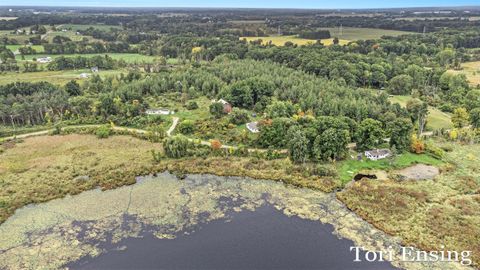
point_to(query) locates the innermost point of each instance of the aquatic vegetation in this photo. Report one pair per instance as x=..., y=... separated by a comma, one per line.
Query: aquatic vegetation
x=83, y=224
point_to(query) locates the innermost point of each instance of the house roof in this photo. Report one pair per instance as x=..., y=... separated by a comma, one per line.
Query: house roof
x=378, y=152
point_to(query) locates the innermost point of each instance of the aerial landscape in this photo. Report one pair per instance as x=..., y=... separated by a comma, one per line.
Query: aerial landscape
x=263, y=135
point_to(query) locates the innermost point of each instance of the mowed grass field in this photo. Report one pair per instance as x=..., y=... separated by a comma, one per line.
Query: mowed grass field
x=471, y=70
x=353, y=33
x=127, y=57
x=345, y=35
x=77, y=27
x=436, y=118
x=8, y=18
x=281, y=40
x=37, y=48
x=55, y=77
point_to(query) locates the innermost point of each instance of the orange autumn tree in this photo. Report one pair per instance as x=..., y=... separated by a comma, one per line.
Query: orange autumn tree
x=417, y=146
x=216, y=144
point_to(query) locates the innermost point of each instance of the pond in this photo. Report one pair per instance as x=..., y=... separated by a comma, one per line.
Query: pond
x=201, y=222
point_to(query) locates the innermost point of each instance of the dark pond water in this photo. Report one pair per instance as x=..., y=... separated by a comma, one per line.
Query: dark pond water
x=262, y=239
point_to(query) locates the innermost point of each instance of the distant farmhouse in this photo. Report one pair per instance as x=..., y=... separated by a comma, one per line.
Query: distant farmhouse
x=84, y=75
x=159, y=112
x=44, y=60
x=377, y=154
x=227, y=107
x=253, y=127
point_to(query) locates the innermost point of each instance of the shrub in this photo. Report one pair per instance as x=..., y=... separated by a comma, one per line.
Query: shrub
x=186, y=127
x=192, y=105
x=239, y=116
x=325, y=170
x=176, y=146
x=216, y=144
x=103, y=132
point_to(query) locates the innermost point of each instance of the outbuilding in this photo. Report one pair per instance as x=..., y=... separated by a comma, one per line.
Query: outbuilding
x=377, y=154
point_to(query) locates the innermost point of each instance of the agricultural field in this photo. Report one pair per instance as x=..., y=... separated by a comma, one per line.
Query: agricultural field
x=346, y=35
x=281, y=40
x=14, y=48
x=8, y=18
x=353, y=33
x=55, y=77
x=127, y=57
x=436, y=118
x=77, y=27
x=471, y=70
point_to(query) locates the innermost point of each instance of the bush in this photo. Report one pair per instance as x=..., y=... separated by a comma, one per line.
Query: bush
x=176, y=146
x=192, y=105
x=325, y=170
x=239, y=117
x=186, y=127
x=103, y=132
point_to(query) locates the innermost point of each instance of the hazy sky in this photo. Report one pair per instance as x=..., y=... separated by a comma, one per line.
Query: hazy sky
x=246, y=3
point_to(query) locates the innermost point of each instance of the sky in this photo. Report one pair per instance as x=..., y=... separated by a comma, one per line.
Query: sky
x=315, y=4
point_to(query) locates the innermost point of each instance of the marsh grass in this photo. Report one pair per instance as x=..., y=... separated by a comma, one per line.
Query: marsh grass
x=48, y=167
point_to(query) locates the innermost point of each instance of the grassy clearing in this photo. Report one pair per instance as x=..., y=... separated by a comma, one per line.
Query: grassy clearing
x=436, y=118
x=55, y=77
x=349, y=168
x=471, y=70
x=280, y=40
x=427, y=213
x=353, y=33
x=14, y=48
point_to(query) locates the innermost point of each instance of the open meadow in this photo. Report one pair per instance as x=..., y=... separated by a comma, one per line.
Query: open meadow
x=55, y=77
x=281, y=40
x=436, y=118
x=471, y=70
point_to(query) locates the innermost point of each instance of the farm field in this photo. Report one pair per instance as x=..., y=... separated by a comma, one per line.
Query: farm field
x=8, y=18
x=55, y=77
x=471, y=70
x=347, y=34
x=280, y=40
x=353, y=33
x=37, y=48
x=127, y=57
x=77, y=27
x=436, y=118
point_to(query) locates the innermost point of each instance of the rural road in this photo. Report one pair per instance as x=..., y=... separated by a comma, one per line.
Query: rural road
x=173, y=126
x=142, y=131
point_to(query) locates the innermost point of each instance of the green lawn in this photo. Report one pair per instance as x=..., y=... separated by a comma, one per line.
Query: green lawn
x=436, y=118
x=348, y=168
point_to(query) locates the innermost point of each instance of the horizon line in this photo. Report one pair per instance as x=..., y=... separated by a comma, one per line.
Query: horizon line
x=227, y=7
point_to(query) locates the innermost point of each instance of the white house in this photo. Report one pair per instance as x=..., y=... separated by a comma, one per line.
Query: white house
x=47, y=59
x=253, y=127
x=159, y=112
x=377, y=154
x=84, y=75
